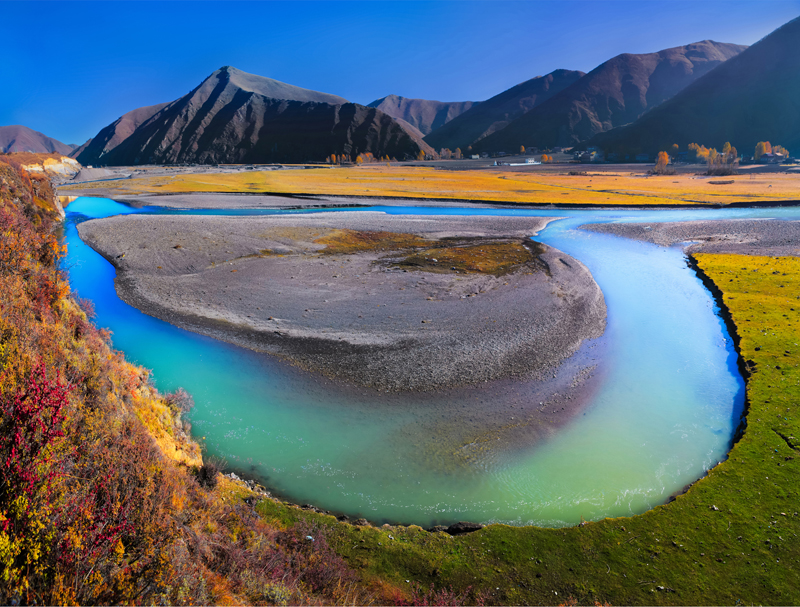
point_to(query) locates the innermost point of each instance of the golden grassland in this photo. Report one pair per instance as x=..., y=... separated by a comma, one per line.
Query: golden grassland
x=479, y=185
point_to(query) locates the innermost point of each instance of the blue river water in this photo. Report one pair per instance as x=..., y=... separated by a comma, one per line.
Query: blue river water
x=665, y=411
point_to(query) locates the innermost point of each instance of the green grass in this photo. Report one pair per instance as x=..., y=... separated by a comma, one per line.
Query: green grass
x=731, y=538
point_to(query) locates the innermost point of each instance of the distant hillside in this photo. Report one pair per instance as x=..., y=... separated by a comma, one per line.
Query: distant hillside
x=496, y=113
x=753, y=97
x=235, y=117
x=18, y=138
x=423, y=114
x=613, y=94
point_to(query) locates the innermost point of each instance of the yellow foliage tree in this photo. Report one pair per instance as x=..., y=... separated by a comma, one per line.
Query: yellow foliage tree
x=661, y=163
x=762, y=147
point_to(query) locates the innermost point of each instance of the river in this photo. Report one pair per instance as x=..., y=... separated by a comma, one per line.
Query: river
x=665, y=410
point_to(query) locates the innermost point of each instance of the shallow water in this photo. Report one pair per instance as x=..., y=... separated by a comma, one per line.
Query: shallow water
x=665, y=410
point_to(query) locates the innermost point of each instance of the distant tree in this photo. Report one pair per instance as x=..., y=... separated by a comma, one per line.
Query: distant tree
x=522, y=149
x=674, y=151
x=457, y=154
x=359, y=159
x=779, y=149
x=698, y=153
x=661, y=163
x=333, y=158
x=421, y=155
x=762, y=147
x=726, y=149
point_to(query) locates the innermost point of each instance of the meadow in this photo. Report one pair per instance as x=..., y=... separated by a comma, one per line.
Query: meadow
x=491, y=185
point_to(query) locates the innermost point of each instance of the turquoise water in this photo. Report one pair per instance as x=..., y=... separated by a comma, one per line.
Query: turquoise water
x=665, y=411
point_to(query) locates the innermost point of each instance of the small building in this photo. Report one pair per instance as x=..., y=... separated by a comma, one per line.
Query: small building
x=771, y=158
x=475, y=157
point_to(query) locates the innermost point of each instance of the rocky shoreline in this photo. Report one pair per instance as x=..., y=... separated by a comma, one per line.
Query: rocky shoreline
x=737, y=236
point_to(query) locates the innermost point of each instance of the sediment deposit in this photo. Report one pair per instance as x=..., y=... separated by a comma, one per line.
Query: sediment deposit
x=389, y=302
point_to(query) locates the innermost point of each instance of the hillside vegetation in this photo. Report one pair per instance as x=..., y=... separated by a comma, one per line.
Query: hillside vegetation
x=104, y=498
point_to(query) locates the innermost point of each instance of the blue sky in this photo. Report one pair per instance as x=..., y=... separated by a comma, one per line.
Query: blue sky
x=70, y=68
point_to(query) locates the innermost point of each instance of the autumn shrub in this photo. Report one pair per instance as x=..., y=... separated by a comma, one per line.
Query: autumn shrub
x=94, y=505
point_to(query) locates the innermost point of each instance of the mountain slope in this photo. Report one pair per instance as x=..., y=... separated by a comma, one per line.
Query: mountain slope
x=495, y=113
x=117, y=132
x=424, y=114
x=234, y=117
x=750, y=98
x=615, y=93
x=18, y=138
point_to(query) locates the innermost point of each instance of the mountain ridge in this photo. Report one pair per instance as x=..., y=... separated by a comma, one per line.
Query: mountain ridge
x=754, y=96
x=498, y=111
x=616, y=92
x=426, y=115
x=229, y=118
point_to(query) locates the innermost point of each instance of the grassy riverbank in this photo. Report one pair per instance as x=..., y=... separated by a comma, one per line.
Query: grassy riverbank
x=730, y=539
x=477, y=185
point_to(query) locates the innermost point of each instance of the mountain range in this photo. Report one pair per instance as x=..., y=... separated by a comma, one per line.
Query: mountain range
x=423, y=114
x=18, y=138
x=753, y=97
x=499, y=111
x=615, y=93
x=707, y=92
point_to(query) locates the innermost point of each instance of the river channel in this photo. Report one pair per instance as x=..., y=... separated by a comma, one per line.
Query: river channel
x=664, y=411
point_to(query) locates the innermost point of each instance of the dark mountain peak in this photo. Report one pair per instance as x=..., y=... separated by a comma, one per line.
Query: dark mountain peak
x=236, y=117
x=266, y=87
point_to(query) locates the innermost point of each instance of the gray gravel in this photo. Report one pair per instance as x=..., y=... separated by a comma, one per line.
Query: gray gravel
x=355, y=317
x=743, y=236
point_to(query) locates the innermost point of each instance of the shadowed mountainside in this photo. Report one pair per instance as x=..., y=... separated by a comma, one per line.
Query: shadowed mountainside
x=750, y=98
x=235, y=117
x=117, y=132
x=496, y=113
x=613, y=94
x=18, y=138
x=424, y=114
